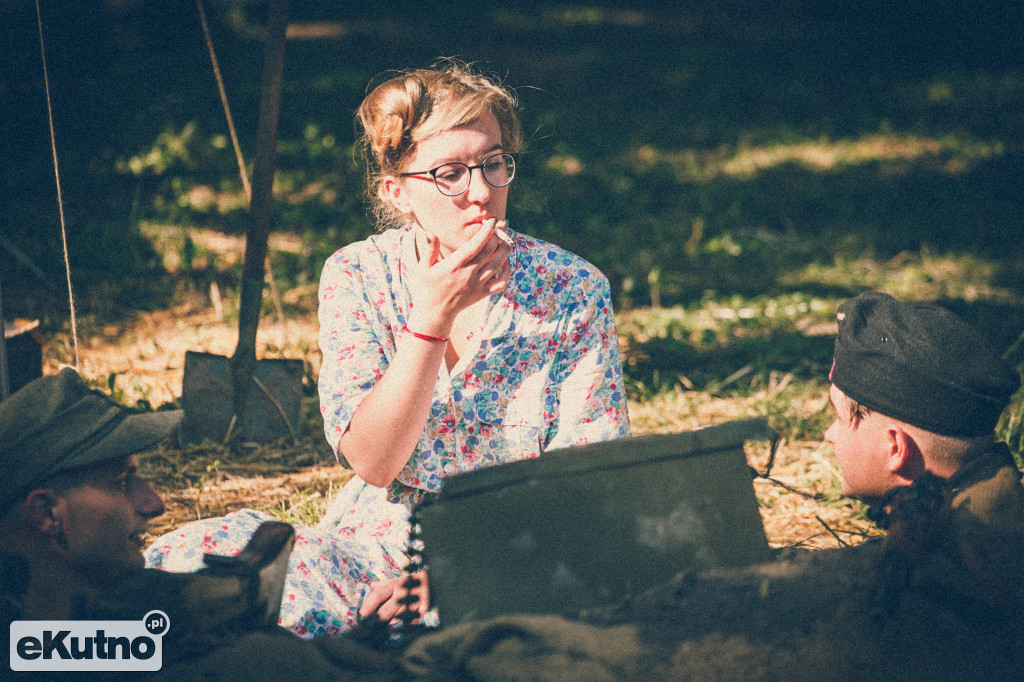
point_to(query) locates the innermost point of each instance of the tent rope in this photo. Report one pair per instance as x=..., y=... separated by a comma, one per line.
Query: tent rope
x=274, y=293
x=60, y=197
x=224, y=101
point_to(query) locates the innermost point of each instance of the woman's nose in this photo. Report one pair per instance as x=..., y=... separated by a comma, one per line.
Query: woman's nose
x=479, y=191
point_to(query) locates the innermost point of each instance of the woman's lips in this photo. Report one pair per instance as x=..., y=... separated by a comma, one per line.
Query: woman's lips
x=499, y=228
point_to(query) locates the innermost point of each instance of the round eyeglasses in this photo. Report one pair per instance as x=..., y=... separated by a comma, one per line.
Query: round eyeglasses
x=452, y=179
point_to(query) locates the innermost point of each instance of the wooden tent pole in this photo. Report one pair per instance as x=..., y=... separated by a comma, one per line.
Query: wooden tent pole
x=243, y=362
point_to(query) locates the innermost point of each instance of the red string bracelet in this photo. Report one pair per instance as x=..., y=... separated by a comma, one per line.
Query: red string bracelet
x=426, y=337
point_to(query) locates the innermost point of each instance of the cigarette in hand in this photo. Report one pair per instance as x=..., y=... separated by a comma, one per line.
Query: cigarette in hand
x=502, y=234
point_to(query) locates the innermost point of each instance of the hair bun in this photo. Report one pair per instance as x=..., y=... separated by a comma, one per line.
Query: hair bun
x=389, y=134
x=393, y=113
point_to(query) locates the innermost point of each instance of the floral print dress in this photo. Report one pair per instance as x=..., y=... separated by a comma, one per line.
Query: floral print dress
x=546, y=374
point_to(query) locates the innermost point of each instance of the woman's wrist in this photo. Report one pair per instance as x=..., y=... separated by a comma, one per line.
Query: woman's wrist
x=426, y=337
x=436, y=326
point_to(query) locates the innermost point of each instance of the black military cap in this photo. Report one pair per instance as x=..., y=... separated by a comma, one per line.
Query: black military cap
x=57, y=423
x=921, y=364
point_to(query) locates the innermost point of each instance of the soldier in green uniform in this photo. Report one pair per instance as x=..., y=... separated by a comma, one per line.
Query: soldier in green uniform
x=917, y=392
x=73, y=503
x=73, y=511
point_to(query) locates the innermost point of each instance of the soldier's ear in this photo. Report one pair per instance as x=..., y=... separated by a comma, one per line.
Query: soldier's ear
x=904, y=455
x=43, y=510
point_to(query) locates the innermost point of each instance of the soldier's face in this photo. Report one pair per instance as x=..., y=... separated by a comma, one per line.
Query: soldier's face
x=859, y=440
x=105, y=516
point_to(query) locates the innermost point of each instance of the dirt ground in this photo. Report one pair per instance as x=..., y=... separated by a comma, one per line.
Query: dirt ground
x=145, y=358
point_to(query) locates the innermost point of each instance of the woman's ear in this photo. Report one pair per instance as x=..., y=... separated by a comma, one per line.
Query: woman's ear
x=392, y=190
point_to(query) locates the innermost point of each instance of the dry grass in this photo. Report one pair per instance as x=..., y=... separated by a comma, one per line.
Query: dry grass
x=147, y=353
x=147, y=356
x=800, y=503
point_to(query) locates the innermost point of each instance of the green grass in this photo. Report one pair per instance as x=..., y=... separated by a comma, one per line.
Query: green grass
x=306, y=508
x=755, y=144
x=735, y=171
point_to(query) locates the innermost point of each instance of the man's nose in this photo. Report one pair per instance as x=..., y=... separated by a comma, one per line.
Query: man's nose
x=148, y=502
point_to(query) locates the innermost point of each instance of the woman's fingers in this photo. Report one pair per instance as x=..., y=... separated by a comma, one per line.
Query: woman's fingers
x=475, y=248
x=384, y=598
x=487, y=243
x=496, y=266
x=435, y=249
x=380, y=593
x=421, y=590
x=483, y=257
x=448, y=285
x=498, y=281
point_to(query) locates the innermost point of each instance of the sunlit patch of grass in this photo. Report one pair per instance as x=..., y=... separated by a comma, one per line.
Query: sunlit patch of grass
x=721, y=345
x=305, y=508
x=909, y=276
x=799, y=410
x=796, y=409
x=897, y=152
x=196, y=248
x=801, y=503
x=715, y=319
x=680, y=410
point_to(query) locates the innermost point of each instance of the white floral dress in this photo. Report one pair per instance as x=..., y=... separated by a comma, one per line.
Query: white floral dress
x=546, y=374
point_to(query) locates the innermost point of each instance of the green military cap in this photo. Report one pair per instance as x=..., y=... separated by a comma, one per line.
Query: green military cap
x=57, y=423
x=921, y=364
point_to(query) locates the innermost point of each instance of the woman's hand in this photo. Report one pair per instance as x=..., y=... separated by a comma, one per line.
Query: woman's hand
x=388, y=423
x=384, y=596
x=446, y=286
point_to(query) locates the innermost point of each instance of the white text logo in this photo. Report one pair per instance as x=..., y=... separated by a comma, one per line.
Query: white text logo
x=82, y=645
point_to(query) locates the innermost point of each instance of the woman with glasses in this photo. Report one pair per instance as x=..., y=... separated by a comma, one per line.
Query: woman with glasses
x=449, y=341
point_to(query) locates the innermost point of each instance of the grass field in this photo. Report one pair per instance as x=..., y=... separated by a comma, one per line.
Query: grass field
x=737, y=171
x=687, y=367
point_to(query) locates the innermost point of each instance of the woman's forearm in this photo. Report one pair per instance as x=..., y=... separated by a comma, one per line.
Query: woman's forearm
x=389, y=421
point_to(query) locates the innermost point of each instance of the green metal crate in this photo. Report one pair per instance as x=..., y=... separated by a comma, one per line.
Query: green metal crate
x=585, y=526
